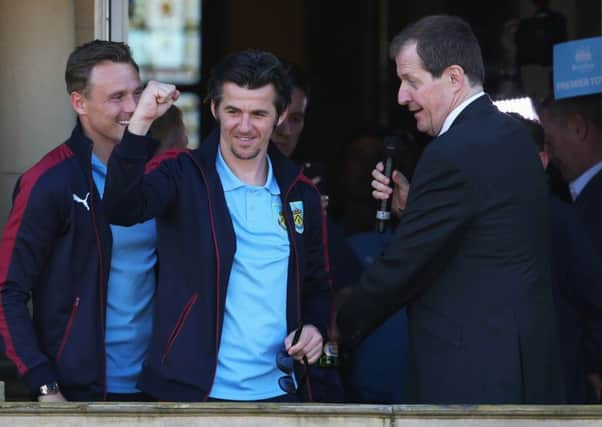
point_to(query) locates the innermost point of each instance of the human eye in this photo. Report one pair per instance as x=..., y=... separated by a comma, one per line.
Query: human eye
x=116, y=97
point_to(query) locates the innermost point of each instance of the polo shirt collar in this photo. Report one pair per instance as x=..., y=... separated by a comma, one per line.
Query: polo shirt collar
x=231, y=182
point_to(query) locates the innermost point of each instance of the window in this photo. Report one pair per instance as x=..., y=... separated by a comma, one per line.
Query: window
x=165, y=38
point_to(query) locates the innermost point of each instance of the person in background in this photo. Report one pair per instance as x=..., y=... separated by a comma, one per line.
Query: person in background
x=170, y=131
x=573, y=138
x=326, y=382
x=577, y=281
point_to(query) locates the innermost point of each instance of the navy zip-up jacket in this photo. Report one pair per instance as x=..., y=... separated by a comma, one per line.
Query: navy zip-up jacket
x=56, y=247
x=196, y=246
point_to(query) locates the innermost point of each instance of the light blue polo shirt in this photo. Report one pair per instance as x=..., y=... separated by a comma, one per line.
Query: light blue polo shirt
x=254, y=326
x=129, y=296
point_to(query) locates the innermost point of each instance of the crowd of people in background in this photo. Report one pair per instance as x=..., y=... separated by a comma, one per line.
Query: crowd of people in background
x=225, y=273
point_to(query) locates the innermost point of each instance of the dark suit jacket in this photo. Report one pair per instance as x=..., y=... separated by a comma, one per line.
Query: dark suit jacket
x=470, y=260
x=577, y=279
x=589, y=209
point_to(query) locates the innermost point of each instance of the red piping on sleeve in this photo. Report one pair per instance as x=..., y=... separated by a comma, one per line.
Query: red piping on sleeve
x=9, y=237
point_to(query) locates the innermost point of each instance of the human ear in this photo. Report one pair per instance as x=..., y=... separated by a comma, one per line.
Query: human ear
x=455, y=73
x=78, y=103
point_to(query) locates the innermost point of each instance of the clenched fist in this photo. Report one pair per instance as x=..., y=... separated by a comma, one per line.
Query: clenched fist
x=154, y=102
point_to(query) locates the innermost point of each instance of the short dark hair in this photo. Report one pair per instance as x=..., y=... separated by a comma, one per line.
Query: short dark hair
x=85, y=57
x=251, y=69
x=164, y=125
x=298, y=78
x=587, y=106
x=441, y=41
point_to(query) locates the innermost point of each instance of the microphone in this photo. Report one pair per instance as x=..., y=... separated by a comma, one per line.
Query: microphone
x=383, y=210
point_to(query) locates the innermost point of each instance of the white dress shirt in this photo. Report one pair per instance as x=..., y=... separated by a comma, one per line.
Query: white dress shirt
x=577, y=185
x=449, y=120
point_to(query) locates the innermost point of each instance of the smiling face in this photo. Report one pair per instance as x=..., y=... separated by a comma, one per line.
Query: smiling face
x=108, y=102
x=247, y=119
x=429, y=98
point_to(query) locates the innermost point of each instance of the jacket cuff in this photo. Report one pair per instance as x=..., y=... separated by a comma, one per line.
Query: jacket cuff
x=38, y=376
x=134, y=146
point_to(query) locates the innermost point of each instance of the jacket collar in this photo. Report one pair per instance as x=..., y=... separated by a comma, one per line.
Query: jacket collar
x=81, y=146
x=480, y=106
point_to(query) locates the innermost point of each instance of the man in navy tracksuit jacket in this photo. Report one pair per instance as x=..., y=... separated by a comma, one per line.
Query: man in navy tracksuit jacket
x=57, y=244
x=199, y=239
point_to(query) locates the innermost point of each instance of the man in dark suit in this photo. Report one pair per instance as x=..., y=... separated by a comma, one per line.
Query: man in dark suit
x=469, y=257
x=573, y=138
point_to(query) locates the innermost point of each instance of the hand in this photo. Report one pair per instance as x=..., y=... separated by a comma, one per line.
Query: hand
x=310, y=344
x=153, y=103
x=382, y=191
x=56, y=397
x=595, y=381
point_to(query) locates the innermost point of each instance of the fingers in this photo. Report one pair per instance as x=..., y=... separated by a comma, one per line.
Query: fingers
x=310, y=344
x=164, y=93
x=380, y=184
x=400, y=195
x=154, y=101
x=400, y=179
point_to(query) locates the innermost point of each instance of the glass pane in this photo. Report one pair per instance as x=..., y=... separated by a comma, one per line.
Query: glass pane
x=189, y=103
x=165, y=37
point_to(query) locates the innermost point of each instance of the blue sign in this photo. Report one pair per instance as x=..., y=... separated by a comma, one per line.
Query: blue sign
x=578, y=68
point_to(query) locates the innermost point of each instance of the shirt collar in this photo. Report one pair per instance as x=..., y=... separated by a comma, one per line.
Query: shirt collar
x=577, y=185
x=98, y=166
x=232, y=182
x=449, y=120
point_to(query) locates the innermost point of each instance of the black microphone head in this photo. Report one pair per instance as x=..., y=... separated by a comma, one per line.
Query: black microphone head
x=392, y=144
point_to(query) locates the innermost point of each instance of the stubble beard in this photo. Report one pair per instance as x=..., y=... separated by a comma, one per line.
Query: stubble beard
x=242, y=156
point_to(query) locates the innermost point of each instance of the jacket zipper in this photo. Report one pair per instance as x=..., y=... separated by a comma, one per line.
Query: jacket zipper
x=178, y=327
x=291, y=228
x=67, y=332
x=217, y=274
x=101, y=299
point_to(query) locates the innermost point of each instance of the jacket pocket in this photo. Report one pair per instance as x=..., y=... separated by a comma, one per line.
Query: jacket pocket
x=179, y=325
x=67, y=332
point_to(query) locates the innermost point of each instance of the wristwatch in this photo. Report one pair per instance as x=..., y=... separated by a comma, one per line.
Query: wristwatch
x=49, y=389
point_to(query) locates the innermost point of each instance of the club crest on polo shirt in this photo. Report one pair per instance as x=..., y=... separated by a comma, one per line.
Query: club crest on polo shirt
x=297, y=209
x=277, y=209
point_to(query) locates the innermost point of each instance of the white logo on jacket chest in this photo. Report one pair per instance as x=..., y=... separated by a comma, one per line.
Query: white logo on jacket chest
x=83, y=201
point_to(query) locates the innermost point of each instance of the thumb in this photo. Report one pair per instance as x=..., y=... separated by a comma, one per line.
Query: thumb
x=400, y=179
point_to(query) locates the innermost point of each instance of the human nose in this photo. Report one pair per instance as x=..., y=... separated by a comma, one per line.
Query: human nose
x=129, y=104
x=285, y=127
x=403, y=97
x=245, y=122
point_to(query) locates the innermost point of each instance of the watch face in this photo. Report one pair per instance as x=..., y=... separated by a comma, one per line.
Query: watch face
x=51, y=388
